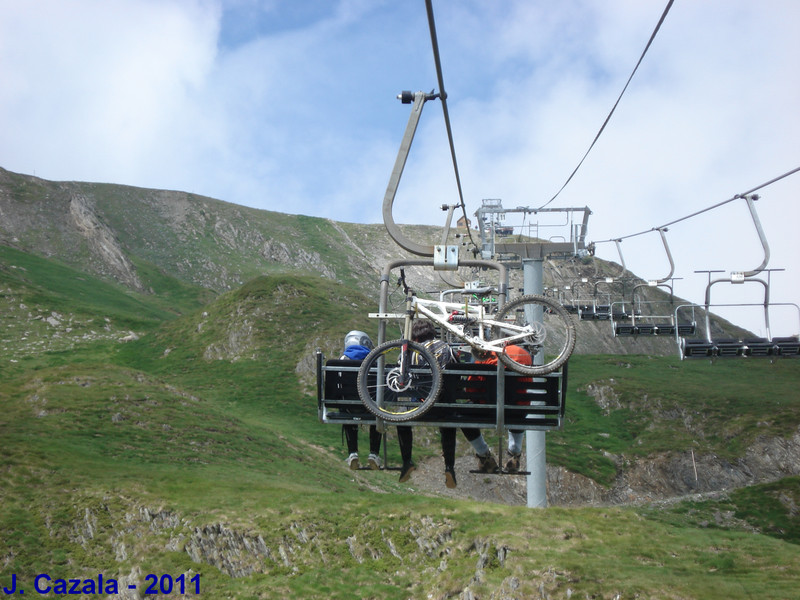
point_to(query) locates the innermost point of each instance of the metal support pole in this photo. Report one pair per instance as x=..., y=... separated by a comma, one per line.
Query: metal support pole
x=533, y=283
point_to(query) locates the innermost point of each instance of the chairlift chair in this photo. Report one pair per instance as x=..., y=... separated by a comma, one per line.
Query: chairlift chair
x=744, y=347
x=747, y=347
x=652, y=324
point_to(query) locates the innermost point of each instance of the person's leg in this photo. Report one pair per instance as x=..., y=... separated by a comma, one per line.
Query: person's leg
x=448, y=435
x=405, y=438
x=515, y=438
x=351, y=438
x=375, y=436
x=486, y=461
x=448, y=446
x=475, y=438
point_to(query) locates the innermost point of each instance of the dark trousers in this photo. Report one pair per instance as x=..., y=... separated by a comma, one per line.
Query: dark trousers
x=448, y=435
x=405, y=437
x=351, y=437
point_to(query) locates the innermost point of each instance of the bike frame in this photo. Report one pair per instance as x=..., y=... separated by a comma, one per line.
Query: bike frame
x=438, y=311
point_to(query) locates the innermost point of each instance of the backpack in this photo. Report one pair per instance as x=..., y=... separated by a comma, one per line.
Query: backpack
x=441, y=350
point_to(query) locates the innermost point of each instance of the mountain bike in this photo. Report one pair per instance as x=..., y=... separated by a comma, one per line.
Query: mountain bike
x=400, y=380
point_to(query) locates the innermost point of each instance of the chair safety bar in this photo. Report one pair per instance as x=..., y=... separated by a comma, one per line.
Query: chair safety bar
x=467, y=398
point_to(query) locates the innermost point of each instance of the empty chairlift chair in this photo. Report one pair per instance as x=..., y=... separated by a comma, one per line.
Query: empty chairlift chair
x=744, y=347
x=648, y=323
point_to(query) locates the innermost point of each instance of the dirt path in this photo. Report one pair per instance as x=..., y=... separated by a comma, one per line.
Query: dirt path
x=503, y=489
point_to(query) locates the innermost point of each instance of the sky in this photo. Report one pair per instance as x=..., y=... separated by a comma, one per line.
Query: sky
x=290, y=106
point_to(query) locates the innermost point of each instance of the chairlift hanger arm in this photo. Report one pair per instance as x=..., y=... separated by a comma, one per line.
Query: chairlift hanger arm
x=657, y=282
x=669, y=257
x=739, y=276
x=621, y=258
x=418, y=99
x=750, y=198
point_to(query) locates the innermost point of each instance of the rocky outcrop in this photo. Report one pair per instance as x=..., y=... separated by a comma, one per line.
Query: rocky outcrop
x=677, y=474
x=103, y=245
x=233, y=552
x=419, y=545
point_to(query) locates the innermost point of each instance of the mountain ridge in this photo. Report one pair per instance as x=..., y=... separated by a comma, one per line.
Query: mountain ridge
x=126, y=234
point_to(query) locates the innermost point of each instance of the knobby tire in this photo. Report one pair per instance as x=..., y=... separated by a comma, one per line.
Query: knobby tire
x=401, y=401
x=559, y=333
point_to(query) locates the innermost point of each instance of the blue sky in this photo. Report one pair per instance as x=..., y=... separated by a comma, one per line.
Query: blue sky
x=289, y=105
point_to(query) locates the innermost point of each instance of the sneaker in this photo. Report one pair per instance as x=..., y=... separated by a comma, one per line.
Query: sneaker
x=374, y=462
x=512, y=466
x=405, y=472
x=352, y=461
x=450, y=478
x=487, y=464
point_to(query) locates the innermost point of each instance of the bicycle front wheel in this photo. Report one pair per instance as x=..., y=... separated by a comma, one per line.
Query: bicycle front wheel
x=399, y=381
x=542, y=328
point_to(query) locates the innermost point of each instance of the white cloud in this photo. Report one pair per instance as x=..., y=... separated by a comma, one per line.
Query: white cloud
x=290, y=107
x=97, y=86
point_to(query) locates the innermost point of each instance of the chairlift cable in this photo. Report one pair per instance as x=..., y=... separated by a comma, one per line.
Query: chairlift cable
x=770, y=182
x=443, y=98
x=613, y=108
x=705, y=210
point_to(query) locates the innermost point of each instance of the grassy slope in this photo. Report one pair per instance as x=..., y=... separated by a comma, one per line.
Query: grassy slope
x=93, y=435
x=210, y=233
x=669, y=405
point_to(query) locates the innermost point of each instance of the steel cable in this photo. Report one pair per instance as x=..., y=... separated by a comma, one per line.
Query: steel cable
x=705, y=210
x=608, y=118
x=443, y=98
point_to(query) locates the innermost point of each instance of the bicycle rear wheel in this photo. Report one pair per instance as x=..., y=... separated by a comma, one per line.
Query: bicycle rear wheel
x=399, y=381
x=551, y=339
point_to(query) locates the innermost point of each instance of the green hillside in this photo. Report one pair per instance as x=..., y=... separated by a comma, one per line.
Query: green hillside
x=195, y=449
x=136, y=235
x=666, y=405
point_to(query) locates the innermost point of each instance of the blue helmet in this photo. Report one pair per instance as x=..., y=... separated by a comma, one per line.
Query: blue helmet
x=357, y=338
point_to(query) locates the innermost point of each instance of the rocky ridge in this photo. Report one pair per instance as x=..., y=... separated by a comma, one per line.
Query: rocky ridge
x=109, y=230
x=418, y=544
